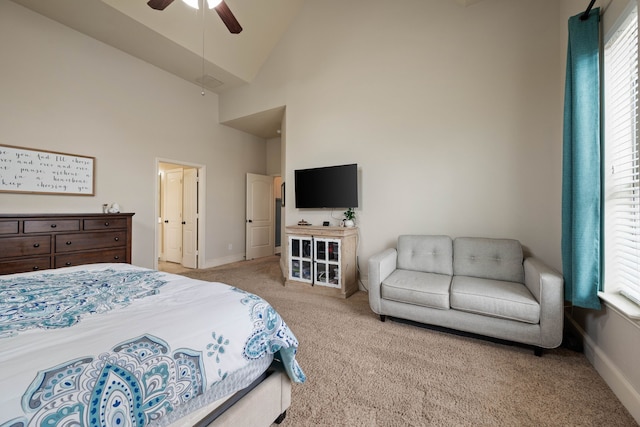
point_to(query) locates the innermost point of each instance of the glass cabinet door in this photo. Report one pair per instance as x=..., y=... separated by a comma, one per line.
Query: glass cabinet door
x=301, y=259
x=327, y=262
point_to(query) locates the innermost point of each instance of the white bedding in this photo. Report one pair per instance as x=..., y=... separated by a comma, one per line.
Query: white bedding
x=143, y=349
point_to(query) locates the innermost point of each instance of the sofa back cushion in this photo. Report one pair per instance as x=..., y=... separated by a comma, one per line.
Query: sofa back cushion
x=497, y=259
x=430, y=254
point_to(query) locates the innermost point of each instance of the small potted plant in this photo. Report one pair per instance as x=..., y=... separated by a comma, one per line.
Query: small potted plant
x=349, y=217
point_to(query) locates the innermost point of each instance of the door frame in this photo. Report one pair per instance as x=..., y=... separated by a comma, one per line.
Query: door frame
x=201, y=207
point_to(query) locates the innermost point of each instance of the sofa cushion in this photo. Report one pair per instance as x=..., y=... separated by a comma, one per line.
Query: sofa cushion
x=416, y=287
x=430, y=254
x=507, y=300
x=498, y=259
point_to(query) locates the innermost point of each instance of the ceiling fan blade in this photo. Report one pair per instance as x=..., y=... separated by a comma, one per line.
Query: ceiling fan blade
x=227, y=17
x=159, y=4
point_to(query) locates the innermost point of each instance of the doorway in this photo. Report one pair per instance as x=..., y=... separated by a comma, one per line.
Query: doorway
x=260, y=216
x=264, y=216
x=179, y=201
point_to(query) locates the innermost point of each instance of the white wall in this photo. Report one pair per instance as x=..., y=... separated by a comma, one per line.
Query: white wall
x=453, y=114
x=274, y=154
x=63, y=91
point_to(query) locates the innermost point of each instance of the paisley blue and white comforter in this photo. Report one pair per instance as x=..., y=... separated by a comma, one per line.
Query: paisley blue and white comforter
x=117, y=345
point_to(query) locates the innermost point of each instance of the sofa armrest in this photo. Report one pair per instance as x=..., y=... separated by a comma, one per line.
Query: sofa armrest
x=381, y=266
x=547, y=286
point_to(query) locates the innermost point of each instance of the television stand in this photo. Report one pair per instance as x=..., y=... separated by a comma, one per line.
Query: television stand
x=322, y=259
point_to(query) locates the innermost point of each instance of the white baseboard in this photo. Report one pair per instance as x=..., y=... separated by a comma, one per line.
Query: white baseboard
x=222, y=261
x=611, y=374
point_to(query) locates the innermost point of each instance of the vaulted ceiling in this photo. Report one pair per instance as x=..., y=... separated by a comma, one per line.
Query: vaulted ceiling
x=172, y=39
x=192, y=44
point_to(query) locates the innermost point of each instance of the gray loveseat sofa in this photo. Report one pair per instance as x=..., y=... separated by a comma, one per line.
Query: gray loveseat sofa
x=474, y=285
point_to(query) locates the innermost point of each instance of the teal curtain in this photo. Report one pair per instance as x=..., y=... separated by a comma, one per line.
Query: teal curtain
x=581, y=180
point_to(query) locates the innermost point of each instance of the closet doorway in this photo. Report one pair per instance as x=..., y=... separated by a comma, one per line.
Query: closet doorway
x=178, y=204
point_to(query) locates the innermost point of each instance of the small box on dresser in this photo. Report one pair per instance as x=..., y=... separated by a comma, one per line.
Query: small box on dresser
x=30, y=242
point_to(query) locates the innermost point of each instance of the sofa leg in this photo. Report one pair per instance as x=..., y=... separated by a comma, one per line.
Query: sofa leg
x=383, y=317
x=281, y=417
x=537, y=351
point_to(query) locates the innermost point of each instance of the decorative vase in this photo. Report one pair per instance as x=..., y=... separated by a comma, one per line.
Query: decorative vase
x=349, y=223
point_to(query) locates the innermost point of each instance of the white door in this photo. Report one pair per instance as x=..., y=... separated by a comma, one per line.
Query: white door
x=260, y=216
x=173, y=216
x=190, y=218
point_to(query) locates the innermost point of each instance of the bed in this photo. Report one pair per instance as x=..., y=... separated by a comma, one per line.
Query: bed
x=111, y=344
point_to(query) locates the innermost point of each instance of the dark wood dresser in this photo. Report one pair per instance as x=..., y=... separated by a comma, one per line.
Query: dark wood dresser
x=31, y=242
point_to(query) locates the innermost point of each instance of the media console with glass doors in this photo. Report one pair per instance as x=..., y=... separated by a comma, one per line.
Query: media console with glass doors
x=322, y=259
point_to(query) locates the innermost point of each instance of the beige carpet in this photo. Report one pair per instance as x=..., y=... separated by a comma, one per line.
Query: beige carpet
x=362, y=372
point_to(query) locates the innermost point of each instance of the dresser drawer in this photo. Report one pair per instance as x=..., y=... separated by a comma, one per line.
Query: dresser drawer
x=12, y=247
x=87, y=241
x=50, y=225
x=8, y=227
x=104, y=223
x=110, y=255
x=24, y=265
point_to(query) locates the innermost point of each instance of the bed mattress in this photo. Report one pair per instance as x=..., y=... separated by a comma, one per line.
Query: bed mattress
x=117, y=345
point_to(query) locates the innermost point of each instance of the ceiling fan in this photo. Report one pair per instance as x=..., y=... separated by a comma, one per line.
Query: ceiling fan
x=219, y=5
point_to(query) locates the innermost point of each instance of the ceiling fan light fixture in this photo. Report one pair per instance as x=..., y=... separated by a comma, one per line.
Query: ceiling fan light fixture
x=220, y=6
x=192, y=3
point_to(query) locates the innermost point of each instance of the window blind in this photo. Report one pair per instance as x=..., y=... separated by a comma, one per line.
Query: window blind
x=621, y=159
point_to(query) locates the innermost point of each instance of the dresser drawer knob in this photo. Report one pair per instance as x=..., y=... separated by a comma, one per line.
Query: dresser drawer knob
x=36, y=268
x=68, y=243
x=67, y=263
x=54, y=225
x=116, y=257
x=116, y=239
x=106, y=224
x=36, y=245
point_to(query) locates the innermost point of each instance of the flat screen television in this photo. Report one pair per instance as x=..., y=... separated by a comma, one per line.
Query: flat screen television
x=327, y=187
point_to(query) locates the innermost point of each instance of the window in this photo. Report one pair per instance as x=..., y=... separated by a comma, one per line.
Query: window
x=621, y=158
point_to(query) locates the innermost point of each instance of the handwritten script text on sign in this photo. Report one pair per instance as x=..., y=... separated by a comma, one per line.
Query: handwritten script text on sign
x=24, y=170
